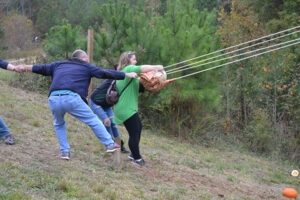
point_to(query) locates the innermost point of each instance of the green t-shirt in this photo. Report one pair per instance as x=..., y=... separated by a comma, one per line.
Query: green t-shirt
x=128, y=101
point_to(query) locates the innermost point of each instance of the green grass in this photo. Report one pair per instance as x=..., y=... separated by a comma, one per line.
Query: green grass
x=7, y=76
x=31, y=169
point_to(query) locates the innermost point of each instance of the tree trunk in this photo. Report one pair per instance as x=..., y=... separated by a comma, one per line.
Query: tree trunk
x=29, y=9
x=22, y=2
x=243, y=100
x=227, y=94
x=275, y=98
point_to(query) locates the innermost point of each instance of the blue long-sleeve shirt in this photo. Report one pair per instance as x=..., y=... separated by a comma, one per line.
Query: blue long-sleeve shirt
x=3, y=64
x=74, y=75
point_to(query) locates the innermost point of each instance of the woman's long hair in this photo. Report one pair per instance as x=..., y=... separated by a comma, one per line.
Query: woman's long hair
x=125, y=59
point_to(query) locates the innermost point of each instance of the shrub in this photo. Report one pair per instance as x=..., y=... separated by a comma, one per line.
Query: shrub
x=18, y=32
x=33, y=82
x=259, y=133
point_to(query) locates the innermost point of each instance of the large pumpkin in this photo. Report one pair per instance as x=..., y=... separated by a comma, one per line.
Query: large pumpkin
x=290, y=193
x=155, y=81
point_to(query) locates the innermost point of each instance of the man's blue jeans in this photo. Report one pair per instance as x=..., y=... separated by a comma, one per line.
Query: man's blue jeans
x=74, y=105
x=4, y=131
x=104, y=113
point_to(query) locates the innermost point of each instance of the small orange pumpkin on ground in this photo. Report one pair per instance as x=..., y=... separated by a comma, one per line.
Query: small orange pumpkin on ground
x=290, y=193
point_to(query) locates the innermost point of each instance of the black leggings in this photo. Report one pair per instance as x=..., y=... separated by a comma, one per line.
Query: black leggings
x=134, y=128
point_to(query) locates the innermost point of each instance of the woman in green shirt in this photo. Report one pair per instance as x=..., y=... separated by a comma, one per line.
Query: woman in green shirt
x=126, y=110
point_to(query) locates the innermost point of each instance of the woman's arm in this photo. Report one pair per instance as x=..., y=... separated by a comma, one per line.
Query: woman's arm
x=148, y=68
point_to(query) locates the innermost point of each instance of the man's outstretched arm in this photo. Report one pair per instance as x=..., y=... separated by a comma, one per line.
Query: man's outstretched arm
x=7, y=66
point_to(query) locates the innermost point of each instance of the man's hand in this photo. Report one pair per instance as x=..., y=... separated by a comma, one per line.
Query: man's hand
x=11, y=67
x=20, y=68
x=23, y=68
x=107, y=122
x=131, y=75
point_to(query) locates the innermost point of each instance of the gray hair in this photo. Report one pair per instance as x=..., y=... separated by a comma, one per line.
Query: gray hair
x=78, y=53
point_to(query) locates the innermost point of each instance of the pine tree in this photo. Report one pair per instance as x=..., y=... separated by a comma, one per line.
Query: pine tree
x=181, y=33
x=109, y=38
x=63, y=40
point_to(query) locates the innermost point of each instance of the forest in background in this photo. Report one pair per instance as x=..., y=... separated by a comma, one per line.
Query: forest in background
x=253, y=103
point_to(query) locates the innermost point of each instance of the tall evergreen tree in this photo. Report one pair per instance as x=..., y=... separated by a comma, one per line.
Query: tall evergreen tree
x=62, y=40
x=109, y=38
x=183, y=32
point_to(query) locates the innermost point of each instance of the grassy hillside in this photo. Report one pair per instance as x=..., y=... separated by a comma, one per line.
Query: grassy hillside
x=31, y=169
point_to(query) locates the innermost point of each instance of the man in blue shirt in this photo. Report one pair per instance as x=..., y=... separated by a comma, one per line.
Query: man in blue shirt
x=4, y=131
x=68, y=93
